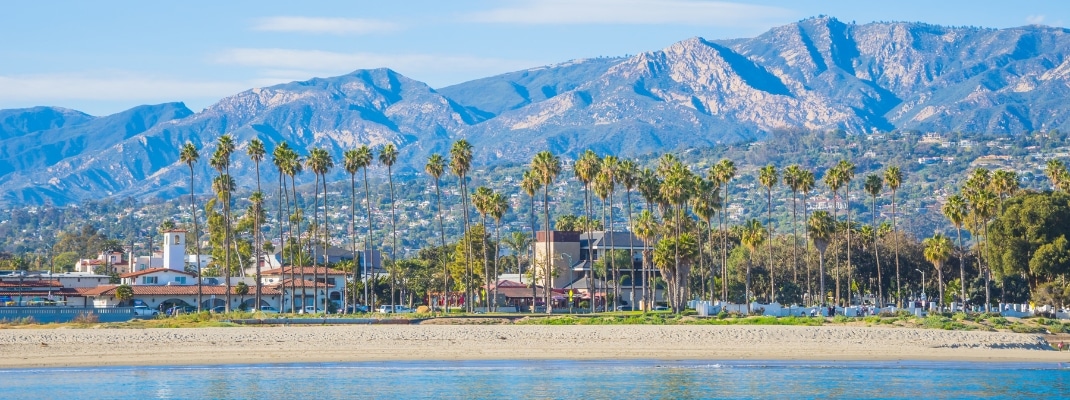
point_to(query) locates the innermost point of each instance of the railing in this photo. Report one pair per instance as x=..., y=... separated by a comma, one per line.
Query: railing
x=66, y=314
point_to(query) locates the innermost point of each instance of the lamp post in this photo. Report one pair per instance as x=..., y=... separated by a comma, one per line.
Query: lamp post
x=922, y=283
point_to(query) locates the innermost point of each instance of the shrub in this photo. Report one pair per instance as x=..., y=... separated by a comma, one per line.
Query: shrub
x=86, y=318
x=689, y=312
x=840, y=319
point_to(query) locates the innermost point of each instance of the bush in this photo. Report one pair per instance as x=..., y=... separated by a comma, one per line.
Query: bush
x=86, y=318
x=840, y=319
x=689, y=312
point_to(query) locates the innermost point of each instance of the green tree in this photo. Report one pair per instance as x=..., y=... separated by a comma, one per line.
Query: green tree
x=124, y=294
x=752, y=235
x=821, y=228
x=955, y=210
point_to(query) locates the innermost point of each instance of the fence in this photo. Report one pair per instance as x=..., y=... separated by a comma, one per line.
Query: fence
x=66, y=314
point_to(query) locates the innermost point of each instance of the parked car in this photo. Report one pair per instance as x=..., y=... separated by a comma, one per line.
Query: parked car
x=387, y=309
x=269, y=310
x=142, y=311
x=360, y=308
x=310, y=310
x=178, y=310
x=625, y=308
x=661, y=308
x=218, y=310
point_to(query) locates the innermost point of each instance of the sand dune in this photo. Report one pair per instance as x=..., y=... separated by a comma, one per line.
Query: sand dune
x=25, y=348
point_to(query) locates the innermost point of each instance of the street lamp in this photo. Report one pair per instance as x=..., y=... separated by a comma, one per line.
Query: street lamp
x=922, y=282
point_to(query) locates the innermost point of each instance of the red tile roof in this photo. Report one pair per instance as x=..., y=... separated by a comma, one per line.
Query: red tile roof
x=297, y=283
x=299, y=270
x=153, y=270
x=29, y=284
x=175, y=290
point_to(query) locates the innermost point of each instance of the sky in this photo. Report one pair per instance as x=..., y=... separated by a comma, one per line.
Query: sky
x=102, y=57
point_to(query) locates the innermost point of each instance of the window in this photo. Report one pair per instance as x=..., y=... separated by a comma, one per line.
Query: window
x=149, y=280
x=330, y=281
x=180, y=279
x=178, y=239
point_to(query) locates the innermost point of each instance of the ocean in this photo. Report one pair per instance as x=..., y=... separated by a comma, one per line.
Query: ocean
x=625, y=379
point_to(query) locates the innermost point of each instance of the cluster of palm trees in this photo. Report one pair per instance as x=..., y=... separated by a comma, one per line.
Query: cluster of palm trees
x=676, y=224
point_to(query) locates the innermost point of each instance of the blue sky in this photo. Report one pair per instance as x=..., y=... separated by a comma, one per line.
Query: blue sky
x=102, y=57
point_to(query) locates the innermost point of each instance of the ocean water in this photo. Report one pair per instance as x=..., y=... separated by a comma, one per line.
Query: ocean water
x=630, y=379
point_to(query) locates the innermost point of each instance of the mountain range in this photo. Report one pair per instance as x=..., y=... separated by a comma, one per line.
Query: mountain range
x=816, y=74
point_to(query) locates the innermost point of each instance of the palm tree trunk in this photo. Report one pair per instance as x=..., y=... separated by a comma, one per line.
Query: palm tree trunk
x=326, y=243
x=256, y=237
x=589, y=275
x=297, y=243
x=442, y=235
x=847, y=211
x=895, y=239
x=821, y=274
x=794, y=237
x=836, y=217
x=196, y=239
x=497, y=245
x=988, y=273
x=724, y=245
x=962, y=266
x=631, y=247
x=394, y=235
x=877, y=256
x=369, y=267
x=486, y=266
x=549, y=256
x=531, y=259
x=352, y=240
x=769, y=245
x=806, y=241
x=468, y=247
x=612, y=262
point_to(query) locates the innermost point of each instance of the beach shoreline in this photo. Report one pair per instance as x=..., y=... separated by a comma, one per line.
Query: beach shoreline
x=68, y=347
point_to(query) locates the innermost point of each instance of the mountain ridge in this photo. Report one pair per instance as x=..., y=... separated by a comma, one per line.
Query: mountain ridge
x=818, y=74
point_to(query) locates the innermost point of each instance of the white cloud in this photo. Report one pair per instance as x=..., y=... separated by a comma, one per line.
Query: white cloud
x=1035, y=19
x=334, y=26
x=111, y=86
x=692, y=12
x=282, y=64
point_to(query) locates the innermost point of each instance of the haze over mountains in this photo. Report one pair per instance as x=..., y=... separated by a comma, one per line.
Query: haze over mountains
x=817, y=74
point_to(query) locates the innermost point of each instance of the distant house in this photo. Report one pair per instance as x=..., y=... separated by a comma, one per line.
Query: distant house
x=158, y=276
x=309, y=281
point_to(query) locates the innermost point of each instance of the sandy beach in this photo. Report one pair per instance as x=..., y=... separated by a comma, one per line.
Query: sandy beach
x=27, y=348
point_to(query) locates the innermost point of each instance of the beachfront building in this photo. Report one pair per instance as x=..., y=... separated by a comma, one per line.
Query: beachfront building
x=163, y=297
x=575, y=253
x=309, y=285
x=158, y=276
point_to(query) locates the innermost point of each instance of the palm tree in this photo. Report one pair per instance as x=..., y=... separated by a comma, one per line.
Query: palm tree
x=320, y=162
x=189, y=156
x=602, y=183
x=388, y=155
x=531, y=183
x=646, y=228
x=847, y=173
x=256, y=153
x=724, y=171
x=586, y=169
x=937, y=251
x=481, y=200
x=460, y=162
x=705, y=204
x=751, y=236
x=676, y=190
x=221, y=162
x=362, y=160
x=893, y=177
x=821, y=226
x=792, y=178
x=628, y=176
x=768, y=177
x=294, y=166
x=873, y=185
x=547, y=166
x=349, y=163
x=610, y=165
x=834, y=181
x=650, y=190
x=806, y=183
x=436, y=166
x=1057, y=173
x=955, y=211
x=498, y=207
x=1004, y=184
x=280, y=156
x=983, y=205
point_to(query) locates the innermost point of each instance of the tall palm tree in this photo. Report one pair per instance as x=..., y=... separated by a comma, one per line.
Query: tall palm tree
x=983, y=205
x=893, y=177
x=751, y=236
x=586, y=169
x=221, y=162
x=547, y=166
x=602, y=184
x=806, y=183
x=189, y=156
x=937, y=251
x=705, y=204
x=436, y=166
x=768, y=177
x=531, y=183
x=460, y=162
x=498, y=207
x=724, y=171
x=955, y=209
x=646, y=227
x=350, y=164
x=280, y=156
x=294, y=166
x=874, y=185
x=676, y=190
x=320, y=162
x=847, y=172
x=610, y=165
x=1004, y=184
x=821, y=227
x=256, y=153
x=650, y=190
x=792, y=178
x=628, y=176
x=834, y=181
x=362, y=160
x=481, y=200
x=388, y=155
